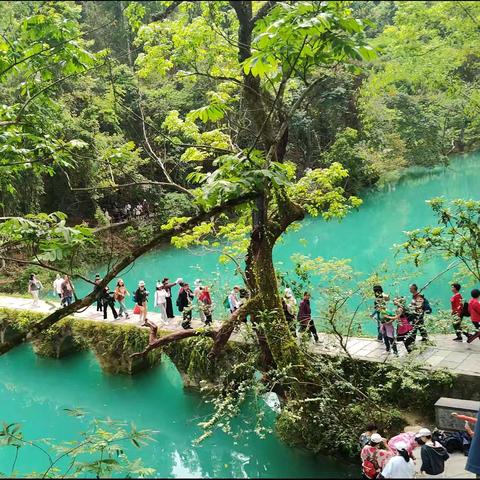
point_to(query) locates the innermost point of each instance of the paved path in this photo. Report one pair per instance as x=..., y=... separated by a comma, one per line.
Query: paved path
x=442, y=351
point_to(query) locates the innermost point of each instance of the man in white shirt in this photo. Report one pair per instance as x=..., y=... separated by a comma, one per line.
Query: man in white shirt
x=57, y=286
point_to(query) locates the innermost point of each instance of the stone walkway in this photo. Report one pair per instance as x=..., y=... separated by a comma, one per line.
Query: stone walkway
x=441, y=351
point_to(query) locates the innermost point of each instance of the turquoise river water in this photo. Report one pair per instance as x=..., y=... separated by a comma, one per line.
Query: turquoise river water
x=35, y=391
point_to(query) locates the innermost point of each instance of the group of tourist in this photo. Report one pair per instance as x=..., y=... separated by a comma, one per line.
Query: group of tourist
x=395, y=458
x=400, y=321
x=62, y=287
x=128, y=211
x=410, y=318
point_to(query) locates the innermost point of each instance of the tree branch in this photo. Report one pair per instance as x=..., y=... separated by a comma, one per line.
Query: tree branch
x=157, y=17
x=162, y=237
x=46, y=267
x=264, y=10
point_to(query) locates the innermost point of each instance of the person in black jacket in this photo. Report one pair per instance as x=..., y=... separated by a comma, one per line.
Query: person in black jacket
x=141, y=299
x=108, y=301
x=184, y=304
x=433, y=454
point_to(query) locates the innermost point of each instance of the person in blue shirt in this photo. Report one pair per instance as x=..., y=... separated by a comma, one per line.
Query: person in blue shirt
x=473, y=462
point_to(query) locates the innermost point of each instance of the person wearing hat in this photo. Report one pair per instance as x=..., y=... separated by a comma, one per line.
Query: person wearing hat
x=401, y=465
x=374, y=458
x=141, y=299
x=433, y=454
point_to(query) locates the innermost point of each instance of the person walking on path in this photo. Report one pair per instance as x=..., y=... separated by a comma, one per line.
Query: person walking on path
x=404, y=327
x=418, y=307
x=141, y=299
x=34, y=287
x=120, y=294
x=474, y=311
x=374, y=458
x=456, y=302
x=305, y=317
x=184, y=304
x=57, y=286
x=380, y=300
x=433, y=454
x=233, y=300
x=168, y=295
x=205, y=304
x=473, y=462
x=67, y=291
x=196, y=293
x=108, y=301
x=161, y=302
x=401, y=465
x=99, y=299
x=387, y=329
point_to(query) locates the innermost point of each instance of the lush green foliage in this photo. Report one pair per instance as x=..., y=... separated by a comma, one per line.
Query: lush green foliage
x=99, y=452
x=455, y=237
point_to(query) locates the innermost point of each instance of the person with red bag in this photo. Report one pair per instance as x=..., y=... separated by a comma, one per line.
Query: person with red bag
x=375, y=458
x=404, y=327
x=141, y=299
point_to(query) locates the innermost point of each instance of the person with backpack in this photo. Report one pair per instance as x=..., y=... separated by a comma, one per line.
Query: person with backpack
x=380, y=300
x=419, y=306
x=374, y=458
x=34, y=287
x=120, y=293
x=404, y=327
x=433, y=454
x=233, y=300
x=456, y=302
x=388, y=332
x=474, y=311
x=141, y=299
x=184, y=304
x=400, y=465
x=205, y=304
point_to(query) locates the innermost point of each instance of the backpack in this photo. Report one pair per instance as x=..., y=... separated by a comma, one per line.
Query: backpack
x=465, y=310
x=369, y=468
x=426, y=306
x=179, y=303
x=226, y=303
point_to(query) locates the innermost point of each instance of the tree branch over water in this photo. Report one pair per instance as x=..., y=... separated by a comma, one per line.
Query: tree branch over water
x=161, y=238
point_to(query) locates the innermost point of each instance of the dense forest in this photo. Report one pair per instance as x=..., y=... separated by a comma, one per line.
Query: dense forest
x=229, y=123
x=88, y=120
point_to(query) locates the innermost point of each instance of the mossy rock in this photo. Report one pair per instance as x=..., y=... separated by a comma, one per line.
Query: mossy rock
x=113, y=344
x=58, y=341
x=190, y=358
x=15, y=323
